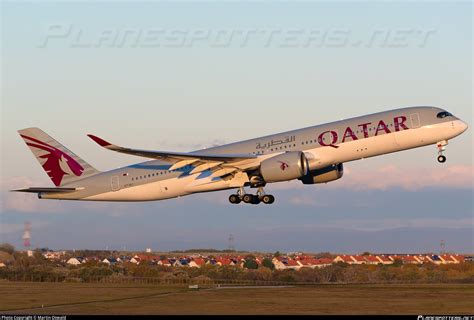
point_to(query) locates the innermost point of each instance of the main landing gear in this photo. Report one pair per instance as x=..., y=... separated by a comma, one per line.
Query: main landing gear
x=250, y=198
x=441, y=148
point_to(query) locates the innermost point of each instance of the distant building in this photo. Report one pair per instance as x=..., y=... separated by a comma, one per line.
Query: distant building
x=344, y=258
x=76, y=261
x=359, y=260
x=224, y=262
x=197, y=263
x=323, y=262
x=384, y=259
x=292, y=264
x=165, y=263
x=110, y=261
x=437, y=259
x=306, y=263
x=372, y=259
x=451, y=259
x=278, y=263
x=408, y=259
x=50, y=255
x=459, y=258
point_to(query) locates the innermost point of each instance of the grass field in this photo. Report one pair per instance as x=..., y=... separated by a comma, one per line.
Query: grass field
x=66, y=298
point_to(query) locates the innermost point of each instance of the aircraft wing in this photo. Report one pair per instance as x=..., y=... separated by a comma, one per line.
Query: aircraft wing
x=181, y=159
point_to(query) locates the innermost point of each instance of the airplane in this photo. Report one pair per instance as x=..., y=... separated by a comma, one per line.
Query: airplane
x=313, y=155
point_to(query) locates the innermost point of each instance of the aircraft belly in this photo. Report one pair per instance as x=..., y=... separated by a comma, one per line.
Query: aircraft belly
x=385, y=143
x=410, y=138
x=146, y=192
x=393, y=142
x=319, y=158
x=213, y=184
x=423, y=136
x=358, y=149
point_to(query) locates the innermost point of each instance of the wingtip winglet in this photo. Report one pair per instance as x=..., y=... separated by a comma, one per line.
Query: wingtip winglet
x=101, y=142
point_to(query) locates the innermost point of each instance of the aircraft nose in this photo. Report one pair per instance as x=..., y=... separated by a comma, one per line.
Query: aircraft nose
x=461, y=126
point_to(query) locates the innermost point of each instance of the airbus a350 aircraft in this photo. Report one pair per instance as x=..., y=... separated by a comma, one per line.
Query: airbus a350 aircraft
x=312, y=155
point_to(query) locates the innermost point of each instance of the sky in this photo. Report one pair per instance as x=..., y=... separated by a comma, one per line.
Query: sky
x=186, y=75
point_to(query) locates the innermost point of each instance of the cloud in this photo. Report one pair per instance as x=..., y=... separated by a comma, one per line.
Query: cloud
x=355, y=179
x=307, y=200
x=342, y=240
x=7, y=228
x=17, y=228
x=364, y=224
x=190, y=146
x=29, y=202
x=392, y=176
x=410, y=178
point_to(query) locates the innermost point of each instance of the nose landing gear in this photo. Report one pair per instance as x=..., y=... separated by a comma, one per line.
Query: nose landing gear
x=250, y=198
x=441, y=148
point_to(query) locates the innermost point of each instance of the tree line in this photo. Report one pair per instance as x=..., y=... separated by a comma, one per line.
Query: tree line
x=20, y=267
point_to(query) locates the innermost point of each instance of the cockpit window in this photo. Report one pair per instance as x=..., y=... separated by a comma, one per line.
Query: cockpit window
x=444, y=114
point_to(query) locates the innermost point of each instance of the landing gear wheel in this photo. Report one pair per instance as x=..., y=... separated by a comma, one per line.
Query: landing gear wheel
x=250, y=198
x=234, y=199
x=268, y=199
x=255, y=200
x=247, y=198
x=441, y=159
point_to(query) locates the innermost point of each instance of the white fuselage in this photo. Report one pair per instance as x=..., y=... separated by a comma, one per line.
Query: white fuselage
x=325, y=145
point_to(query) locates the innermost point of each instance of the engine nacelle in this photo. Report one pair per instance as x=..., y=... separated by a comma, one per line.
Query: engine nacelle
x=284, y=167
x=325, y=175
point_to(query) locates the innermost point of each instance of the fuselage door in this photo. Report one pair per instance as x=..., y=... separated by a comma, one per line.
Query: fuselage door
x=415, y=120
x=115, y=183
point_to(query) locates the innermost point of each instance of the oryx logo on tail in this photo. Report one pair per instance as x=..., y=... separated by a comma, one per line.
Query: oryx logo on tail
x=58, y=163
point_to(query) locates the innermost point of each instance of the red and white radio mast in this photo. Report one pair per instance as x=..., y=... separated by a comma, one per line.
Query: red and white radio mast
x=27, y=236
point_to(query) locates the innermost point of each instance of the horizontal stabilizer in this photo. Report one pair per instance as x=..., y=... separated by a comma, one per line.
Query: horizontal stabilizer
x=49, y=190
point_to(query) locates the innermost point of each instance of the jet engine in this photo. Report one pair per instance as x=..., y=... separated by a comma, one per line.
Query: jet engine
x=284, y=167
x=325, y=175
